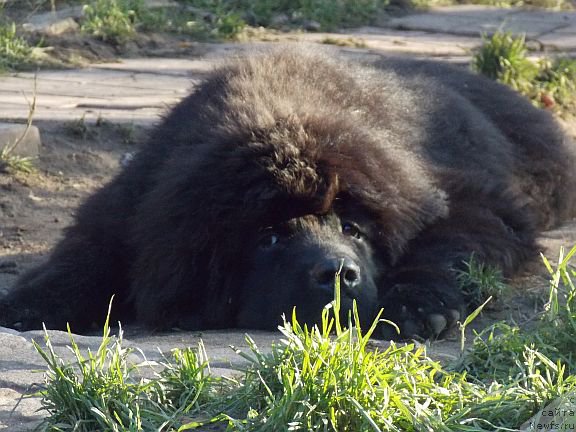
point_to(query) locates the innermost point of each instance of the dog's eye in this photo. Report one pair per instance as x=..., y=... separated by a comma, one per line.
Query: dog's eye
x=351, y=229
x=268, y=238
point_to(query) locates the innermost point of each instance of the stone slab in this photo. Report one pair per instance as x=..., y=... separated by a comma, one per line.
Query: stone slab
x=562, y=40
x=168, y=66
x=412, y=43
x=119, y=95
x=477, y=20
x=21, y=141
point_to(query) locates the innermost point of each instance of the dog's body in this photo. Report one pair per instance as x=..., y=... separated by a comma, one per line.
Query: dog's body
x=281, y=169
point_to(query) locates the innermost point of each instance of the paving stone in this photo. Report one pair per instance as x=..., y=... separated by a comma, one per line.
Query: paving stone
x=117, y=95
x=559, y=18
x=387, y=41
x=562, y=40
x=477, y=20
x=18, y=414
x=469, y=21
x=20, y=140
x=172, y=67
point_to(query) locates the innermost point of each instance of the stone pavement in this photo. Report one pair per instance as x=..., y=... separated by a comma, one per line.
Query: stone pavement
x=139, y=90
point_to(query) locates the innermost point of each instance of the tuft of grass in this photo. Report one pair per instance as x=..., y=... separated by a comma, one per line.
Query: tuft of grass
x=14, y=163
x=479, y=281
x=80, y=128
x=502, y=57
x=128, y=132
x=556, y=85
x=549, y=83
x=102, y=391
x=9, y=160
x=327, y=378
x=501, y=349
x=15, y=52
x=112, y=20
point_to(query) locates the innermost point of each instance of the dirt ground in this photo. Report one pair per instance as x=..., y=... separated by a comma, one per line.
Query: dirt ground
x=75, y=159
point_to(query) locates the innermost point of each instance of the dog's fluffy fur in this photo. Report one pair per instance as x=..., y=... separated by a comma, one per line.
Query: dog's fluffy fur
x=281, y=164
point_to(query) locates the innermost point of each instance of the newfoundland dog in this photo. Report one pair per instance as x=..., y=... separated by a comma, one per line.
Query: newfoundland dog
x=286, y=167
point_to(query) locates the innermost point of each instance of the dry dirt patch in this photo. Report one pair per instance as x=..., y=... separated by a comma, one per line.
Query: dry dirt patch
x=75, y=159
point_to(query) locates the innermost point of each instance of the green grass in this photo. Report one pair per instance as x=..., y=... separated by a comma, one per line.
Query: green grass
x=549, y=83
x=479, y=281
x=12, y=162
x=112, y=20
x=329, y=14
x=326, y=378
x=15, y=52
x=118, y=20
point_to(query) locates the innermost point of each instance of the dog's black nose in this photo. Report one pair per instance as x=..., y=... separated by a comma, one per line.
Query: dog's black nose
x=323, y=275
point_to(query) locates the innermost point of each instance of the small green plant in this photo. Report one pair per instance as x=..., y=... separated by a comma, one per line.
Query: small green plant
x=344, y=13
x=79, y=128
x=9, y=160
x=479, y=281
x=215, y=19
x=15, y=52
x=549, y=83
x=14, y=163
x=102, y=390
x=128, y=132
x=557, y=84
x=500, y=350
x=502, y=57
x=112, y=20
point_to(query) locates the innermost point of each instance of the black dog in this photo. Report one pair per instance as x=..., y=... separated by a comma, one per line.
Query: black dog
x=283, y=168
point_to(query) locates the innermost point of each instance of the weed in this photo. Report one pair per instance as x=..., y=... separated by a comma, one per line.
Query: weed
x=557, y=84
x=15, y=52
x=112, y=20
x=549, y=83
x=502, y=57
x=479, y=281
x=9, y=161
x=79, y=128
x=500, y=350
x=214, y=19
x=101, y=391
x=226, y=19
x=127, y=132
